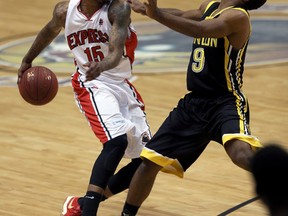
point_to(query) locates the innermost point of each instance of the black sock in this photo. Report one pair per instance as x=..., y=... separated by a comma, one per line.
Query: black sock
x=129, y=210
x=91, y=203
x=81, y=202
x=121, y=180
x=104, y=198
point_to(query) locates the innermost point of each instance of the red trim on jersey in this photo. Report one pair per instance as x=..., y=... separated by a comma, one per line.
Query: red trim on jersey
x=89, y=107
x=130, y=46
x=137, y=95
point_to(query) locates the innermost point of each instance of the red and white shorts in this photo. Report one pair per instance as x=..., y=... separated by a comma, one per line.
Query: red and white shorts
x=113, y=108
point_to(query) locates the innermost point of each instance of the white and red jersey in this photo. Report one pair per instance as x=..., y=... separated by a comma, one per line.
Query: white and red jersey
x=88, y=39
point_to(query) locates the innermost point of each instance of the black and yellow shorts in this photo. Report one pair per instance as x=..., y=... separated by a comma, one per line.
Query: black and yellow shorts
x=195, y=122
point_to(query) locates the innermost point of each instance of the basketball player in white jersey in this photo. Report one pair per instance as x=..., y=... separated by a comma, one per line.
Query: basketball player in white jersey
x=102, y=40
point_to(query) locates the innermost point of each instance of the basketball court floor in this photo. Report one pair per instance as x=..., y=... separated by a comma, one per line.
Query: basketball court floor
x=46, y=152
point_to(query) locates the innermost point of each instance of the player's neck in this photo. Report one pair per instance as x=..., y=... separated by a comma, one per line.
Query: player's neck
x=229, y=3
x=89, y=7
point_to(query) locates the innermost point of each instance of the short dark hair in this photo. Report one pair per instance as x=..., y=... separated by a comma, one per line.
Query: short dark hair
x=269, y=167
x=254, y=4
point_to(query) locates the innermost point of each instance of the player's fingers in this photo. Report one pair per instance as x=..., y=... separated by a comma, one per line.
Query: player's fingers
x=87, y=64
x=18, y=79
x=88, y=78
x=21, y=70
x=19, y=76
x=89, y=75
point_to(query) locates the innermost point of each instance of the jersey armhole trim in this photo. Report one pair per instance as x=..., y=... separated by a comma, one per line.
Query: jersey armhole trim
x=208, y=6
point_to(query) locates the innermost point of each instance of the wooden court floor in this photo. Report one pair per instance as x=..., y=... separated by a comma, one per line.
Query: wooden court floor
x=46, y=153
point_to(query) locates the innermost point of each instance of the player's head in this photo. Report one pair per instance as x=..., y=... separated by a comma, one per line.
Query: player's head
x=253, y=4
x=270, y=169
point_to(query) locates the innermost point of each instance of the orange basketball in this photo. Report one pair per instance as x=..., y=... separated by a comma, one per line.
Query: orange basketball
x=38, y=85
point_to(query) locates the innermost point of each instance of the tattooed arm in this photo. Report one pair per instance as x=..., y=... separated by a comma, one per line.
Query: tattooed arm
x=119, y=15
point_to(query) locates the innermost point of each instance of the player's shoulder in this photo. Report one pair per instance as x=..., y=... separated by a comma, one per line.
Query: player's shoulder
x=120, y=9
x=238, y=18
x=120, y=6
x=238, y=13
x=60, y=9
x=206, y=4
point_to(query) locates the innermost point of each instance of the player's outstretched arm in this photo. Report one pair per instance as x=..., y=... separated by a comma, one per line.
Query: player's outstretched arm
x=195, y=14
x=139, y=7
x=229, y=22
x=47, y=34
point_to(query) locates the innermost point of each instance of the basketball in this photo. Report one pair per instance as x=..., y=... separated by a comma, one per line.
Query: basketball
x=38, y=85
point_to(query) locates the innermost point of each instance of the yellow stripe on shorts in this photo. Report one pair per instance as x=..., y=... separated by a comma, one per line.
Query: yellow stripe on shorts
x=251, y=140
x=169, y=165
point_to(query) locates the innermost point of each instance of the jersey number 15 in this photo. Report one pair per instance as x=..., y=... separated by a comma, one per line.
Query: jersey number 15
x=94, y=53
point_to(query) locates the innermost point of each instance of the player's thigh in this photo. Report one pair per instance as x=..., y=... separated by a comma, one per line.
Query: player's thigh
x=105, y=115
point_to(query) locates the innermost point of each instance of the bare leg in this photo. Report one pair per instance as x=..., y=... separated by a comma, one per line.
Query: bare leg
x=142, y=182
x=95, y=188
x=107, y=193
x=240, y=153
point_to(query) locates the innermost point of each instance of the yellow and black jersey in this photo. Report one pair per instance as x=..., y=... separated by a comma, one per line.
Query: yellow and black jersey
x=214, y=110
x=215, y=66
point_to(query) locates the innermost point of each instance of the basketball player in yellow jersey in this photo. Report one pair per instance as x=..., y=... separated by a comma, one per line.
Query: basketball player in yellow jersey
x=215, y=109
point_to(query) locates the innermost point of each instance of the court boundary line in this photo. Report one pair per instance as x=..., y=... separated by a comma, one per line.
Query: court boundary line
x=234, y=208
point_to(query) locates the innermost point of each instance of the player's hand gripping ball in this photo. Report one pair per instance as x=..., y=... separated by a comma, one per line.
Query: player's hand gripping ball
x=38, y=85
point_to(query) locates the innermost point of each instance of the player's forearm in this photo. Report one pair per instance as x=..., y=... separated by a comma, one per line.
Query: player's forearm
x=111, y=61
x=117, y=41
x=173, y=11
x=43, y=39
x=177, y=23
x=139, y=7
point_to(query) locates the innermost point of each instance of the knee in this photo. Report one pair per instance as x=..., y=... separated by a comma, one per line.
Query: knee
x=241, y=157
x=149, y=167
x=240, y=153
x=114, y=151
x=116, y=145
